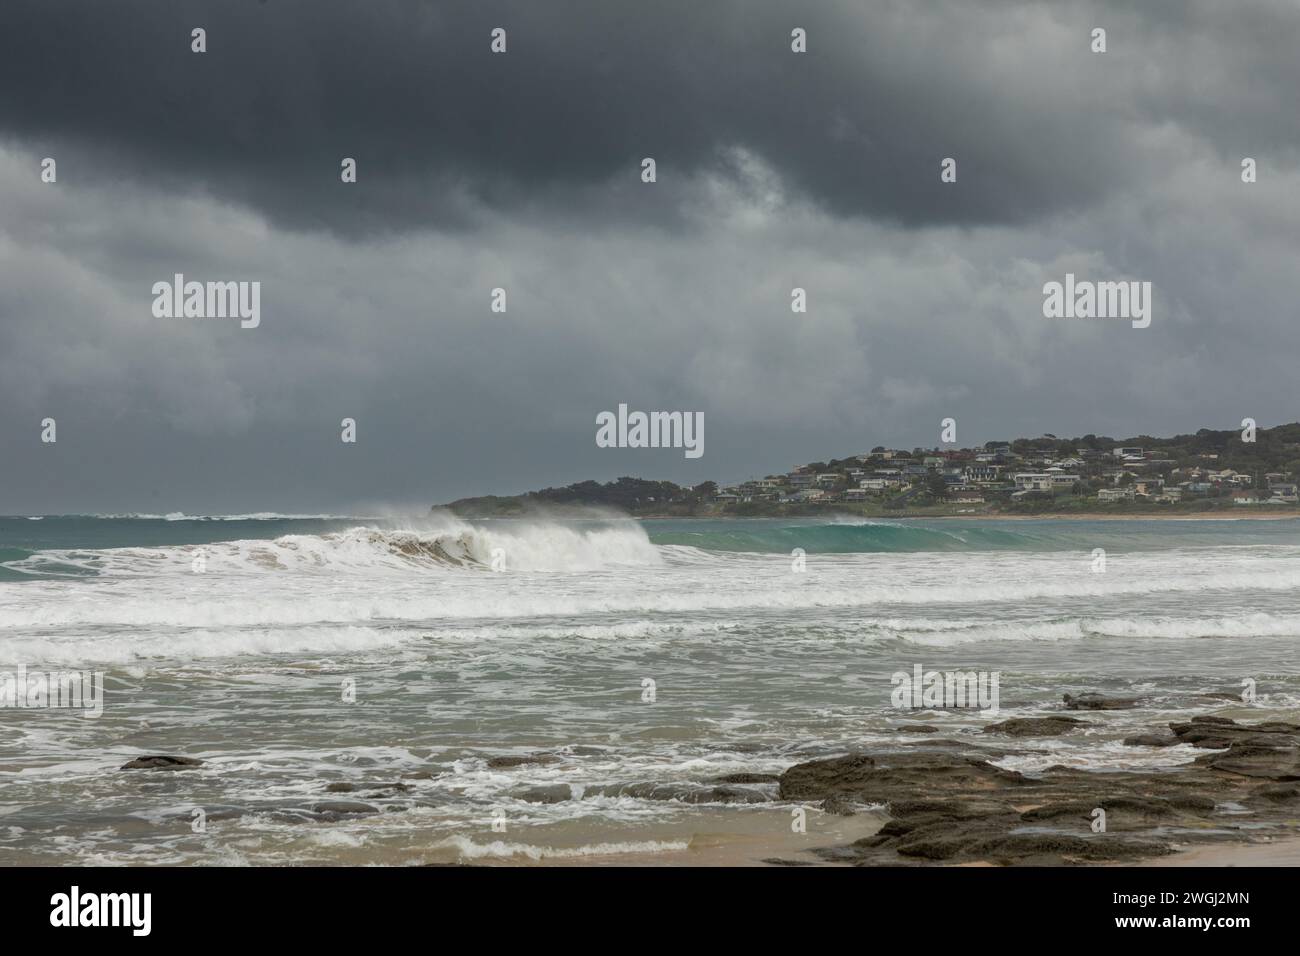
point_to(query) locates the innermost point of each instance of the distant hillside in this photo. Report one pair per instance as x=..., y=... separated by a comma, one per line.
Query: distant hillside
x=1206, y=471
x=632, y=495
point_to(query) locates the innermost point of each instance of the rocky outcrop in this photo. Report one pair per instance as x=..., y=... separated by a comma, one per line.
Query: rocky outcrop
x=683, y=793
x=523, y=760
x=945, y=806
x=881, y=778
x=554, y=793
x=1091, y=701
x=749, y=778
x=341, y=808
x=1035, y=726
x=370, y=789
x=162, y=762
x=1151, y=740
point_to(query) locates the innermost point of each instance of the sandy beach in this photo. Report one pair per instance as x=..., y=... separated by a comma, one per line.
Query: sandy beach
x=1281, y=852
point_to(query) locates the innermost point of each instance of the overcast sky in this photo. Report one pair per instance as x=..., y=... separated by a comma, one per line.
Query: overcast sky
x=522, y=170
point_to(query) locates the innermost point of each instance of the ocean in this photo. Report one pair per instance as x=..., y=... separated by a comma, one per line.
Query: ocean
x=433, y=690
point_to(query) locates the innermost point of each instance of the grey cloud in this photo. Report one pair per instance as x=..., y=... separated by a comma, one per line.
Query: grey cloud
x=441, y=127
x=776, y=171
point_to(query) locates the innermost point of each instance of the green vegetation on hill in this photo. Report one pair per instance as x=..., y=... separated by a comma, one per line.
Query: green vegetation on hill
x=1186, y=474
x=633, y=495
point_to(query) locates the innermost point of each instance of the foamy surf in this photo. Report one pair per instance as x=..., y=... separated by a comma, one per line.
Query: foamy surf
x=499, y=849
x=376, y=692
x=539, y=546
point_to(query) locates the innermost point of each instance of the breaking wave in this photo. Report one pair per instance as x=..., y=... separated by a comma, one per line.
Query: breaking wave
x=525, y=546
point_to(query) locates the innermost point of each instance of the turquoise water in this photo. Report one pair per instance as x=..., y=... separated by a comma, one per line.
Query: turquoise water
x=848, y=536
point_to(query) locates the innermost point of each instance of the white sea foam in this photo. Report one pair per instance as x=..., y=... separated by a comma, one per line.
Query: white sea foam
x=524, y=546
x=367, y=588
x=1109, y=756
x=468, y=849
x=611, y=581
x=116, y=647
x=182, y=516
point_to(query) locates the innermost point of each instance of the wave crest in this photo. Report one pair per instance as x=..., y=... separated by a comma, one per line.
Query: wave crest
x=515, y=545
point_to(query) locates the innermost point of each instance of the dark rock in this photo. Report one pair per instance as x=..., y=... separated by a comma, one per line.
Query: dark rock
x=1193, y=802
x=162, y=762
x=974, y=808
x=1032, y=848
x=637, y=791
x=1218, y=733
x=373, y=789
x=918, y=729
x=725, y=795
x=1121, y=807
x=1274, y=727
x=820, y=778
x=1035, y=726
x=887, y=777
x=984, y=814
x=503, y=763
x=553, y=793
x=839, y=806
x=1079, y=809
x=1092, y=701
x=683, y=793
x=747, y=778
x=1282, y=793
x=342, y=808
x=1252, y=758
x=1151, y=740
x=386, y=788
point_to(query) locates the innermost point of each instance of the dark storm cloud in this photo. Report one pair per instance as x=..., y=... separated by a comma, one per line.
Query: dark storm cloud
x=439, y=125
x=521, y=171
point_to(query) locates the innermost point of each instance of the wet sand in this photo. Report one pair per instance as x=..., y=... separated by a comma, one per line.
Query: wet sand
x=755, y=837
x=1284, y=852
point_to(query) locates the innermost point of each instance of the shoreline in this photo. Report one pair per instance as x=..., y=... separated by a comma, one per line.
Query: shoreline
x=935, y=799
x=1272, y=852
x=1276, y=852
x=985, y=814
x=772, y=852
